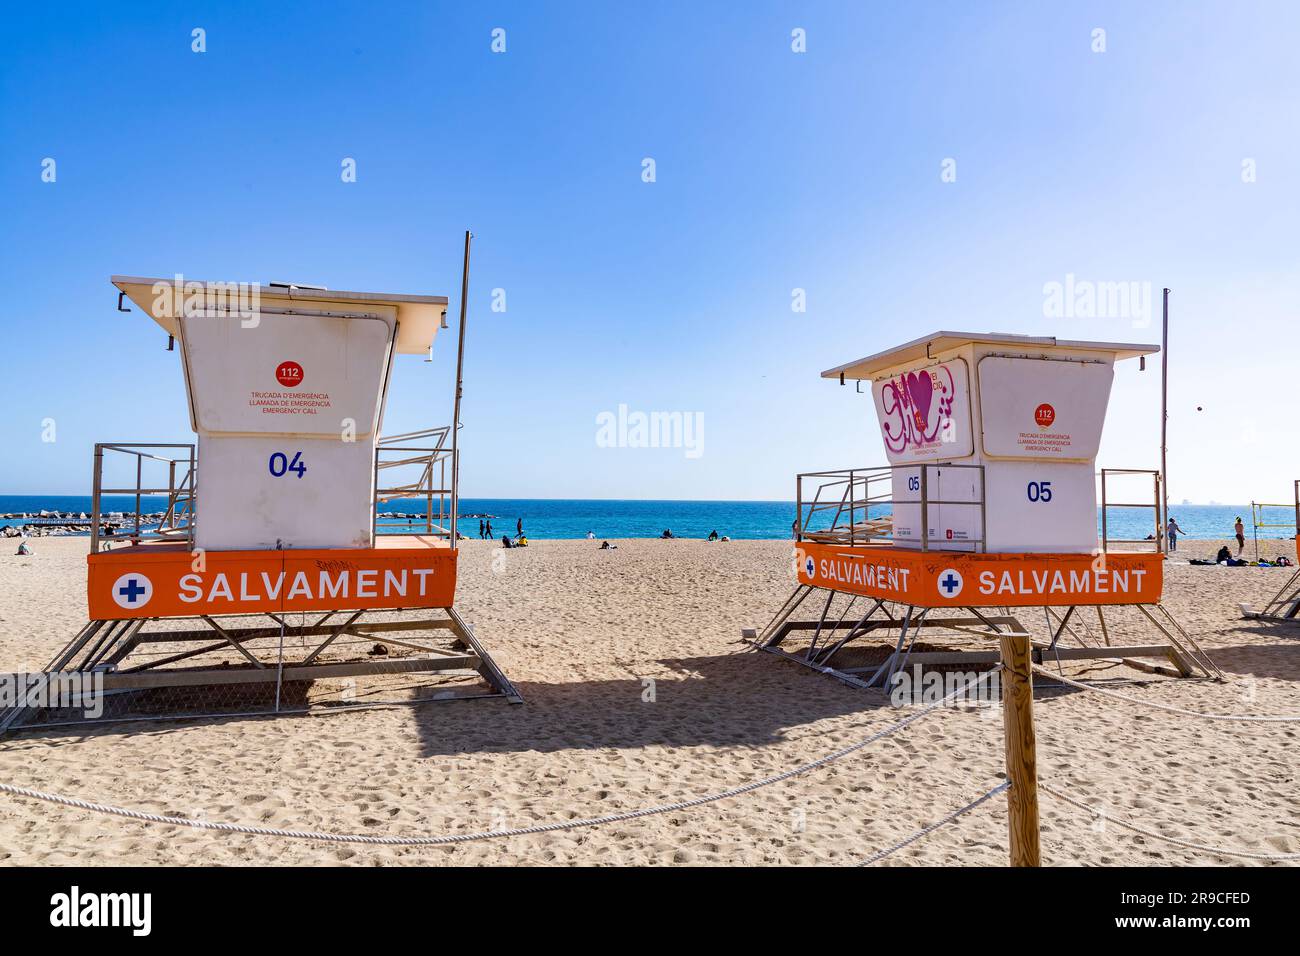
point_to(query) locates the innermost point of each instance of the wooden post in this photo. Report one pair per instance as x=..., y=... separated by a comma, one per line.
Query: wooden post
x=1022, y=770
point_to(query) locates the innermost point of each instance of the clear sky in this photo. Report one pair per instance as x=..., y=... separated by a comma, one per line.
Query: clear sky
x=1171, y=158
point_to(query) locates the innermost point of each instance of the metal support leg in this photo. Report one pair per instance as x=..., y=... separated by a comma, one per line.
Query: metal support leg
x=491, y=673
x=767, y=637
x=853, y=632
x=902, y=637
x=900, y=664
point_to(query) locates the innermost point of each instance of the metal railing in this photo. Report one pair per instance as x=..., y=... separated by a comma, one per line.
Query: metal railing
x=174, y=523
x=1157, y=540
x=850, y=496
x=414, y=466
x=408, y=466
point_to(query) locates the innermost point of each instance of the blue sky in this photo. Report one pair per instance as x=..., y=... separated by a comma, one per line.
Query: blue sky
x=775, y=170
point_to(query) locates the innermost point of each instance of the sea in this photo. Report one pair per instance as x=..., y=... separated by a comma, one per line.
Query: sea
x=573, y=518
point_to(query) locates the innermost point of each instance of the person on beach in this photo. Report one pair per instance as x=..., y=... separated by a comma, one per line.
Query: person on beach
x=1174, y=532
x=22, y=547
x=490, y=535
x=1241, y=535
x=591, y=536
x=519, y=528
x=481, y=529
x=713, y=535
x=668, y=533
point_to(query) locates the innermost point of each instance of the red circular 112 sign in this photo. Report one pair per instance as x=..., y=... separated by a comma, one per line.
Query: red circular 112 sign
x=1044, y=415
x=289, y=374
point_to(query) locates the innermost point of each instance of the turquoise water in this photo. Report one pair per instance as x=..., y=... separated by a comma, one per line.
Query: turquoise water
x=555, y=518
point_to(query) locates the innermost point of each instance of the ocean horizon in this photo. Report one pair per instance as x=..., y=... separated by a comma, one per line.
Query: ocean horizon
x=568, y=518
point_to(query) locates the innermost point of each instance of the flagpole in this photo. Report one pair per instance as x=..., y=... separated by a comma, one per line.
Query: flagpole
x=1164, y=425
x=460, y=381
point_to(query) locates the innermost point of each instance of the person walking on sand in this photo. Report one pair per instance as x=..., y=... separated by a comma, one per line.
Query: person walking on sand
x=1174, y=532
x=1241, y=535
x=490, y=535
x=481, y=529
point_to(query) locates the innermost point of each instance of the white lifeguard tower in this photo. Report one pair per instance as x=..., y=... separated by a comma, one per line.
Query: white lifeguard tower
x=989, y=501
x=263, y=571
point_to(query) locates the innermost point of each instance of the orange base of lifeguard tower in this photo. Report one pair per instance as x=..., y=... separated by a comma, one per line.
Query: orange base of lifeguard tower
x=902, y=589
x=175, y=632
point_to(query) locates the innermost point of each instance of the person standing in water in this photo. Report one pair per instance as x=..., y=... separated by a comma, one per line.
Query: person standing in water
x=519, y=528
x=1241, y=535
x=481, y=529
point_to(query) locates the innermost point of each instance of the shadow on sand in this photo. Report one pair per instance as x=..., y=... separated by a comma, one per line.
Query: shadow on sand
x=741, y=700
x=730, y=700
x=1279, y=661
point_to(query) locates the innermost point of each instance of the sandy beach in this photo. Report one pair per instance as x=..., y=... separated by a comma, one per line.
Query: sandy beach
x=581, y=632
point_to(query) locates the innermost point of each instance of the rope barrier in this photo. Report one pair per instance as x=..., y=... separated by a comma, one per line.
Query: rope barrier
x=934, y=826
x=1039, y=669
x=445, y=839
x=1219, y=851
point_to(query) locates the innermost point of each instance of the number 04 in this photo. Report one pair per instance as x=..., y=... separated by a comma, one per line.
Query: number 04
x=279, y=464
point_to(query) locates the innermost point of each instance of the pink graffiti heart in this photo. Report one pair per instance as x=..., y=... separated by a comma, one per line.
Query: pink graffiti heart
x=921, y=390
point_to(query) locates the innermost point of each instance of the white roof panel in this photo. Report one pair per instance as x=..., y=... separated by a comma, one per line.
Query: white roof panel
x=418, y=316
x=939, y=342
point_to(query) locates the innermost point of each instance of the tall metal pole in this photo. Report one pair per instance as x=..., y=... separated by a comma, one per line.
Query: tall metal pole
x=460, y=383
x=1164, y=427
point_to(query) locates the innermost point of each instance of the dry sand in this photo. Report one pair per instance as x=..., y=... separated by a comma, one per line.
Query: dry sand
x=580, y=631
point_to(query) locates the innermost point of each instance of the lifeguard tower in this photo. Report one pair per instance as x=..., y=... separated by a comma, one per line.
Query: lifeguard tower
x=988, y=504
x=1283, y=607
x=250, y=571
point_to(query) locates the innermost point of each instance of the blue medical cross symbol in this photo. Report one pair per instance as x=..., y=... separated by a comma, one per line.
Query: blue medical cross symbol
x=131, y=591
x=949, y=583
